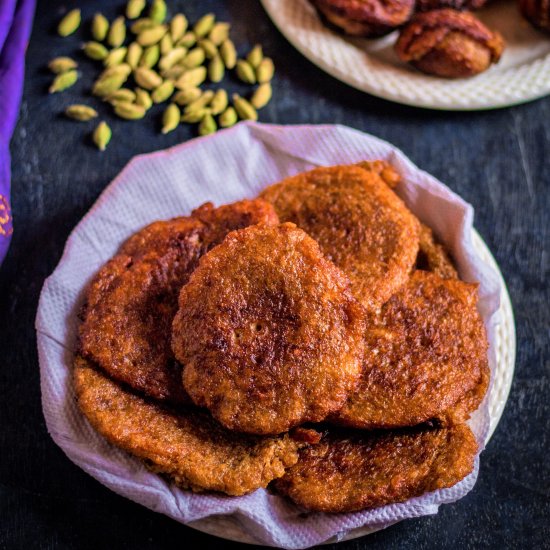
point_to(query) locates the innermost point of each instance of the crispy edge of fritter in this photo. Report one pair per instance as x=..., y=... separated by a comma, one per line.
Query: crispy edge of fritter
x=187, y=446
x=433, y=256
x=351, y=471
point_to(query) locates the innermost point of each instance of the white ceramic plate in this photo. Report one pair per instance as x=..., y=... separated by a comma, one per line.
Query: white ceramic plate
x=523, y=73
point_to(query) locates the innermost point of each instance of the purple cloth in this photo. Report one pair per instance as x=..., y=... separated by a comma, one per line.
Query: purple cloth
x=15, y=27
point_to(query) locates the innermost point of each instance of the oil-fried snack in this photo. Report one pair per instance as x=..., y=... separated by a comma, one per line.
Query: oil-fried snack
x=449, y=43
x=537, y=12
x=366, y=18
x=424, y=352
x=127, y=318
x=193, y=450
x=359, y=222
x=350, y=471
x=433, y=256
x=268, y=331
x=384, y=169
x=429, y=5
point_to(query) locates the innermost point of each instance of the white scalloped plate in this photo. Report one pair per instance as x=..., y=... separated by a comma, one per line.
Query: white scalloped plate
x=228, y=528
x=523, y=73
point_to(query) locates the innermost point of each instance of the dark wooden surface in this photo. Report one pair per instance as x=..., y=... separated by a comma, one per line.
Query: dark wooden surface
x=499, y=161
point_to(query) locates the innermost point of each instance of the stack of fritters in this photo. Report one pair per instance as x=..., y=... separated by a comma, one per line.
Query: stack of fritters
x=318, y=336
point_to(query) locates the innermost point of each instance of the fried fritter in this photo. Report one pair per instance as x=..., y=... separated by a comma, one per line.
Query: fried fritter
x=359, y=222
x=193, y=450
x=424, y=352
x=347, y=471
x=132, y=301
x=433, y=256
x=268, y=331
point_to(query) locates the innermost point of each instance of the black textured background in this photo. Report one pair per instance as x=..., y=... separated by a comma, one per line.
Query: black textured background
x=499, y=161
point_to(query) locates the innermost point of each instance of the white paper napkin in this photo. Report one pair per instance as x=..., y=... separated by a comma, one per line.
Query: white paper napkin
x=233, y=164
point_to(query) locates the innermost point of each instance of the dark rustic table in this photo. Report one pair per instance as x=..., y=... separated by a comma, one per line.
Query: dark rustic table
x=498, y=161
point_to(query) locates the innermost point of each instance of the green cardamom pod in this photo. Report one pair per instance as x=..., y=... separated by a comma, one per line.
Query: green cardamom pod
x=255, y=56
x=166, y=44
x=63, y=81
x=115, y=57
x=194, y=58
x=173, y=73
x=229, y=54
x=195, y=116
x=150, y=56
x=129, y=111
x=191, y=78
x=187, y=40
x=170, y=118
x=171, y=58
x=151, y=36
x=69, y=23
x=210, y=50
x=207, y=125
x=124, y=94
x=204, y=25
x=142, y=24
x=245, y=72
x=228, y=118
x=184, y=97
x=147, y=78
x=244, y=109
x=216, y=69
x=163, y=92
x=104, y=87
x=95, y=50
x=102, y=135
x=158, y=11
x=143, y=98
x=201, y=102
x=123, y=71
x=178, y=26
x=62, y=65
x=265, y=70
x=219, y=33
x=100, y=27
x=117, y=33
x=219, y=102
x=135, y=51
x=134, y=8
x=80, y=112
x=262, y=96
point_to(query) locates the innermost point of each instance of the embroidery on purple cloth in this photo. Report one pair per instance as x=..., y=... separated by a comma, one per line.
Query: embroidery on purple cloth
x=6, y=228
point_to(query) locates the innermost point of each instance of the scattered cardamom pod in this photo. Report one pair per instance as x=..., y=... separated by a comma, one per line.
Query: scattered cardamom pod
x=62, y=65
x=135, y=51
x=123, y=71
x=187, y=40
x=244, y=109
x=102, y=135
x=80, y=112
x=95, y=50
x=150, y=56
x=171, y=58
x=178, y=26
x=117, y=33
x=163, y=92
x=228, y=53
x=143, y=98
x=104, y=87
x=219, y=102
x=100, y=27
x=245, y=72
x=262, y=96
x=69, y=23
x=134, y=8
x=255, y=56
x=147, y=78
x=151, y=36
x=207, y=125
x=216, y=69
x=129, y=111
x=265, y=70
x=63, y=81
x=124, y=94
x=219, y=33
x=158, y=11
x=228, y=117
x=194, y=58
x=115, y=57
x=184, y=97
x=142, y=24
x=201, y=102
x=170, y=118
x=210, y=50
x=195, y=116
x=191, y=78
x=204, y=25
x=166, y=44
x=173, y=73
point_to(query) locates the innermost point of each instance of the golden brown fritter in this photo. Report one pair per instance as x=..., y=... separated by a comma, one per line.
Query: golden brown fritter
x=425, y=351
x=350, y=471
x=193, y=450
x=127, y=319
x=359, y=222
x=366, y=18
x=268, y=331
x=537, y=12
x=449, y=43
x=429, y=5
x=433, y=256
